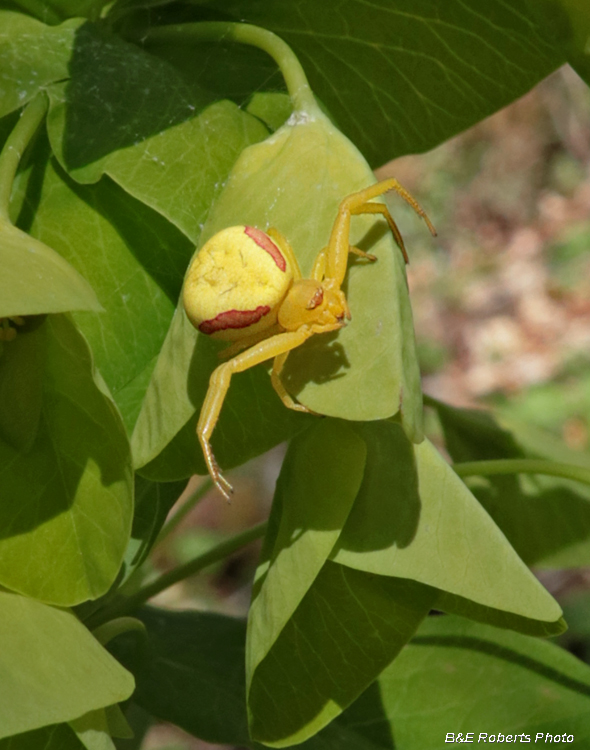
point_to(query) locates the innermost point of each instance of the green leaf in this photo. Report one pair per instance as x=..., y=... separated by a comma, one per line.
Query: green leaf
x=134, y=259
x=92, y=729
x=274, y=109
x=22, y=370
x=199, y=657
x=545, y=519
x=553, y=527
x=400, y=79
x=576, y=610
x=441, y=536
x=223, y=68
x=36, y=280
x=66, y=504
x=294, y=181
x=56, y=737
x=144, y=126
x=347, y=629
x=459, y=676
x=117, y=723
x=140, y=722
x=319, y=480
x=569, y=22
x=32, y=55
x=363, y=726
x=475, y=434
x=435, y=685
x=306, y=612
x=53, y=670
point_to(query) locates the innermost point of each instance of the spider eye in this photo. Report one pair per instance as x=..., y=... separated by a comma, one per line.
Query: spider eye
x=316, y=300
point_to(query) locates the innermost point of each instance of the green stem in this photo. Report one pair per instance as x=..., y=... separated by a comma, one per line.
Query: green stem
x=183, y=511
x=126, y=605
x=290, y=67
x=523, y=466
x=15, y=146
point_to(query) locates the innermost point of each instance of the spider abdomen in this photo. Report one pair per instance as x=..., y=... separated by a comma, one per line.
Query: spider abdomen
x=236, y=284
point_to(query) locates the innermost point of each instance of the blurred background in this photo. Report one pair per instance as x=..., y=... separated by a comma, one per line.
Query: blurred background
x=501, y=302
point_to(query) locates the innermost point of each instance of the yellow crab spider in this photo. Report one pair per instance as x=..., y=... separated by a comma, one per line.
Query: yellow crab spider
x=245, y=286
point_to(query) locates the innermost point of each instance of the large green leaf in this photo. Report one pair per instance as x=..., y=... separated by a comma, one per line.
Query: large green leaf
x=349, y=626
x=459, y=676
x=414, y=518
x=319, y=480
x=32, y=55
x=133, y=257
x=294, y=181
x=223, y=68
x=53, y=669
x=546, y=519
x=306, y=612
x=403, y=76
x=134, y=260
x=199, y=657
x=66, y=504
x=434, y=686
x=146, y=127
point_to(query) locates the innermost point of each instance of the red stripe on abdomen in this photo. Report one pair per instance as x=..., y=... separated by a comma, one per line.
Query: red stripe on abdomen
x=264, y=241
x=233, y=319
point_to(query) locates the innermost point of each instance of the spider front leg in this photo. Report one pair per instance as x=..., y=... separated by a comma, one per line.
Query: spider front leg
x=318, y=272
x=358, y=203
x=219, y=383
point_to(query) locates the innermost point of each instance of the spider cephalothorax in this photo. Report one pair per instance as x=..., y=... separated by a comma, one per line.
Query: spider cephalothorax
x=245, y=286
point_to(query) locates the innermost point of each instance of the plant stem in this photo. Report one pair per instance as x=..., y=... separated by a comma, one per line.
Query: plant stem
x=15, y=146
x=523, y=466
x=183, y=511
x=290, y=67
x=122, y=605
x=126, y=605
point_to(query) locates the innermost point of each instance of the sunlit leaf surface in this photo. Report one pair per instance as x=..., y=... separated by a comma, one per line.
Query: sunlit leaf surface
x=401, y=77
x=53, y=669
x=294, y=181
x=66, y=504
